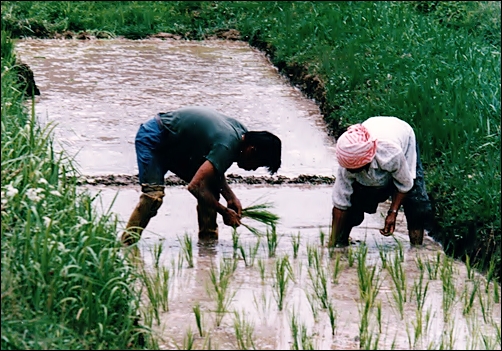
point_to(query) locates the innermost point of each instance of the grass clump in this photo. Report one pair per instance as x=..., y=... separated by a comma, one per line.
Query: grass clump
x=282, y=277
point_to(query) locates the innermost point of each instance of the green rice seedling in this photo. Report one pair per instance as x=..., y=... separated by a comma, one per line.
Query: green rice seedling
x=198, y=318
x=420, y=264
x=299, y=332
x=235, y=240
x=490, y=273
x=228, y=266
x=164, y=281
x=448, y=284
x=311, y=251
x=319, y=281
x=250, y=255
x=181, y=260
x=428, y=320
x=473, y=332
x=337, y=268
x=295, y=241
x=322, y=236
x=469, y=297
x=447, y=340
x=148, y=315
x=365, y=336
x=399, y=249
x=175, y=265
x=207, y=342
x=370, y=342
x=483, y=305
x=350, y=256
x=187, y=249
x=295, y=332
x=433, y=267
x=496, y=292
x=383, y=252
x=272, y=240
x=369, y=285
x=156, y=252
x=157, y=286
x=263, y=304
x=314, y=304
x=420, y=291
x=396, y=271
x=332, y=314
x=243, y=332
x=283, y=275
x=307, y=339
x=368, y=279
x=243, y=255
x=497, y=335
x=188, y=340
x=313, y=256
x=262, y=268
x=219, y=288
x=488, y=342
x=417, y=327
x=379, y=315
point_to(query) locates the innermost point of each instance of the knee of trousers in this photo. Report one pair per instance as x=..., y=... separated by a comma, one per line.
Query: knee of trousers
x=155, y=200
x=354, y=218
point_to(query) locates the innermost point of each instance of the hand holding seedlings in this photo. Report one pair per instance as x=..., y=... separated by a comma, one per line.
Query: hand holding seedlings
x=390, y=223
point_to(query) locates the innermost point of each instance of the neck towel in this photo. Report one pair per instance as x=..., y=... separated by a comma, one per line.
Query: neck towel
x=355, y=148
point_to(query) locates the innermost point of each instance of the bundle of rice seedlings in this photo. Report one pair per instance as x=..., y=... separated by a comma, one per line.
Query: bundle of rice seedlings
x=260, y=213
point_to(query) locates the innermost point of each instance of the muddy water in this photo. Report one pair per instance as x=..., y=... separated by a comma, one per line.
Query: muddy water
x=98, y=92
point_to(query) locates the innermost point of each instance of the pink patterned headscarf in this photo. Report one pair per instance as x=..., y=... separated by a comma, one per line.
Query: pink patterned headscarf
x=355, y=148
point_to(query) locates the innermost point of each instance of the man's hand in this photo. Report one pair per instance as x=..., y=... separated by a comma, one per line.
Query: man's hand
x=235, y=204
x=390, y=224
x=231, y=218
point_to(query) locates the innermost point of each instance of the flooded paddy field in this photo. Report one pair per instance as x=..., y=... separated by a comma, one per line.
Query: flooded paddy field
x=283, y=289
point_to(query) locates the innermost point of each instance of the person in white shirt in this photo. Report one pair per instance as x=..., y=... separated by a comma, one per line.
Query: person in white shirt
x=379, y=159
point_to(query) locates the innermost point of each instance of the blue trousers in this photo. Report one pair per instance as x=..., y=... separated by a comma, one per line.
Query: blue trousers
x=150, y=153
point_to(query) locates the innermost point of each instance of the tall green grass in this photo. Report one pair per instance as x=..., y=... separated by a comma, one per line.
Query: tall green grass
x=65, y=282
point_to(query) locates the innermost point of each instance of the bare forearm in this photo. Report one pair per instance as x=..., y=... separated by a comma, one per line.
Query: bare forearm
x=226, y=192
x=203, y=194
x=397, y=199
x=199, y=187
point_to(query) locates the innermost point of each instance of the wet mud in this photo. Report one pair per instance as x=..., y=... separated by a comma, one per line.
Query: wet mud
x=98, y=92
x=173, y=180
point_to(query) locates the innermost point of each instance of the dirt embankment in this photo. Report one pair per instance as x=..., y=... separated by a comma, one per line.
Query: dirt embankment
x=130, y=180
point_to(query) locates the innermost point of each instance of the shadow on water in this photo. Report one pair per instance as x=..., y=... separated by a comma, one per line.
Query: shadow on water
x=99, y=91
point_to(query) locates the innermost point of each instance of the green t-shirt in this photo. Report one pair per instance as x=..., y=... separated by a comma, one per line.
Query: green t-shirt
x=197, y=134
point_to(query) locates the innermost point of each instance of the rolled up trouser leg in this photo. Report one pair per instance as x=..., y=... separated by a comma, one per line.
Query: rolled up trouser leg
x=206, y=216
x=147, y=208
x=355, y=216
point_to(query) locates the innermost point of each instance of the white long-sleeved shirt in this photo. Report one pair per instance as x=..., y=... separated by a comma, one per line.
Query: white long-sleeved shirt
x=395, y=159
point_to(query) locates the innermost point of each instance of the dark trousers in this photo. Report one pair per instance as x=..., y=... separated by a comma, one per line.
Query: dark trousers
x=417, y=206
